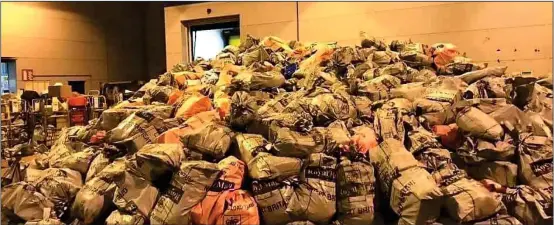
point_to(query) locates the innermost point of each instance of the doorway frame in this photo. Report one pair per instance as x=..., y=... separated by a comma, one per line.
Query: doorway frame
x=186, y=31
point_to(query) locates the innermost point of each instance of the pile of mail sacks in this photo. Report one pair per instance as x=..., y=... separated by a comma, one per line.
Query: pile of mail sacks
x=284, y=132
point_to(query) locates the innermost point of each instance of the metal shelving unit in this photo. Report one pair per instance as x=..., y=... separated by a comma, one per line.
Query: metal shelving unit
x=97, y=104
x=51, y=121
x=12, y=133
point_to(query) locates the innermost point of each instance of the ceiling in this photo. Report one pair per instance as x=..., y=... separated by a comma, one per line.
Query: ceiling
x=176, y=3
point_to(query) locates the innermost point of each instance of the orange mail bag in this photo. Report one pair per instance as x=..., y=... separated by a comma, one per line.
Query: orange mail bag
x=173, y=135
x=241, y=209
x=192, y=104
x=212, y=207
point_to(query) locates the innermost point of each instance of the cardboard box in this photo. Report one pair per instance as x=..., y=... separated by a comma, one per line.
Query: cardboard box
x=63, y=91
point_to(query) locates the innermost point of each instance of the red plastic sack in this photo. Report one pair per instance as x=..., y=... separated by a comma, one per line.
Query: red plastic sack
x=98, y=137
x=78, y=101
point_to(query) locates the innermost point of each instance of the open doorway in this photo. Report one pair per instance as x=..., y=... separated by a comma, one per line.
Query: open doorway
x=209, y=36
x=77, y=86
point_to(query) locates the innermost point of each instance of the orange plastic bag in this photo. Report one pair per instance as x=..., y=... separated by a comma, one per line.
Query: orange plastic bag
x=174, y=96
x=233, y=172
x=193, y=104
x=212, y=207
x=444, y=53
x=275, y=44
x=241, y=209
x=300, y=52
x=173, y=135
x=364, y=139
x=449, y=135
x=182, y=77
x=311, y=65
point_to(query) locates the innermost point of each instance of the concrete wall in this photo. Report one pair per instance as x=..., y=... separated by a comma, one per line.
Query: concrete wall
x=517, y=34
x=155, y=39
x=91, y=41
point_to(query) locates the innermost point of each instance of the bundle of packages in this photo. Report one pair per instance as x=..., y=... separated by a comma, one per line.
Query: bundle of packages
x=253, y=149
x=153, y=161
x=272, y=198
x=62, y=147
x=138, y=189
x=137, y=130
x=79, y=161
x=112, y=117
x=225, y=203
x=187, y=188
x=94, y=201
x=284, y=132
x=59, y=186
x=291, y=143
x=356, y=202
x=243, y=111
x=528, y=205
x=21, y=201
x=173, y=135
x=160, y=93
x=326, y=108
x=213, y=140
x=135, y=195
x=97, y=165
x=314, y=198
x=535, y=161
x=412, y=191
x=190, y=104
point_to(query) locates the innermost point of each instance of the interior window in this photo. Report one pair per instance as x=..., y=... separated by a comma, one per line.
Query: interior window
x=4, y=76
x=7, y=76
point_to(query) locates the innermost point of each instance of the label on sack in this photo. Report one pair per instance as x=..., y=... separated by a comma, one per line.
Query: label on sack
x=323, y=192
x=321, y=173
x=221, y=185
x=441, y=95
x=174, y=194
x=354, y=190
x=542, y=167
x=456, y=176
x=262, y=187
x=273, y=207
x=145, y=115
x=404, y=193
